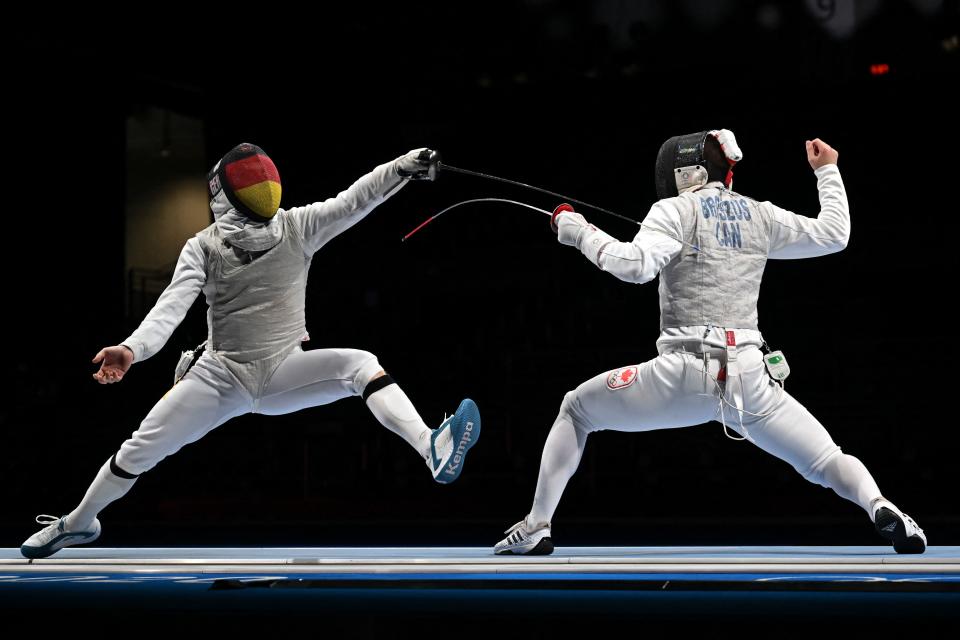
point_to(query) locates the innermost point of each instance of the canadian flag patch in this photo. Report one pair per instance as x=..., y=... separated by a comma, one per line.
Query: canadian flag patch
x=620, y=378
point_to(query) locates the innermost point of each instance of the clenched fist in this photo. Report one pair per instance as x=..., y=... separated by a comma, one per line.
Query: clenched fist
x=819, y=153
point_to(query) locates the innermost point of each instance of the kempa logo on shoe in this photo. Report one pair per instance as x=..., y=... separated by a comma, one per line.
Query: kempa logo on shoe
x=461, y=449
x=890, y=527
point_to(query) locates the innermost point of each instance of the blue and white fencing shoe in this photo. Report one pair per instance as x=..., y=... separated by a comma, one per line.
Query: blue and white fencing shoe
x=451, y=441
x=55, y=536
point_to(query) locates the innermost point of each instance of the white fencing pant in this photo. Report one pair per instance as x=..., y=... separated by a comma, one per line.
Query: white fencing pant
x=673, y=391
x=210, y=394
x=213, y=391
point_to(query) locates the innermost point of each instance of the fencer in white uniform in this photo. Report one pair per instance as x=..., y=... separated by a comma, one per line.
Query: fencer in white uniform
x=709, y=246
x=252, y=265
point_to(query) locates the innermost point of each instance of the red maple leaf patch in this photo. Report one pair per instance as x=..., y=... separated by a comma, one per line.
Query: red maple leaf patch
x=621, y=378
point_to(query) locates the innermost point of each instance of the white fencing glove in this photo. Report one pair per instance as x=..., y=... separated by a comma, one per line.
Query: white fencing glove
x=568, y=225
x=573, y=229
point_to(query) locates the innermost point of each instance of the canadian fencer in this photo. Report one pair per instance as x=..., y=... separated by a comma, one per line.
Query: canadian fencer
x=251, y=265
x=709, y=245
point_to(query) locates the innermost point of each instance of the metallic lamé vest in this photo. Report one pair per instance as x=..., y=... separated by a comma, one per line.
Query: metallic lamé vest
x=719, y=284
x=256, y=303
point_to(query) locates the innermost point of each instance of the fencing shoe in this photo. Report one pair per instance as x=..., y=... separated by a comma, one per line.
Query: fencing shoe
x=450, y=442
x=55, y=536
x=520, y=540
x=899, y=528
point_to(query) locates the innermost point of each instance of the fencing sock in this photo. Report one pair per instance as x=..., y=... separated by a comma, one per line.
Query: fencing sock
x=105, y=488
x=561, y=457
x=391, y=406
x=850, y=479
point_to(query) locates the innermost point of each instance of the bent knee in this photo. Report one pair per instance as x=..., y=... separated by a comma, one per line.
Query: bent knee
x=134, y=460
x=364, y=369
x=120, y=471
x=571, y=409
x=143, y=451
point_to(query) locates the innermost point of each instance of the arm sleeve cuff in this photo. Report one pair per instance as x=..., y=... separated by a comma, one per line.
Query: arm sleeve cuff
x=593, y=242
x=135, y=346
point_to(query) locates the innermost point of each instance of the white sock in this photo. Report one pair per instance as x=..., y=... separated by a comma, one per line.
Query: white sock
x=850, y=479
x=393, y=409
x=104, y=489
x=561, y=457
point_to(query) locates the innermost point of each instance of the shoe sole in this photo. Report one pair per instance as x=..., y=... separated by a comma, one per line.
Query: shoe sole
x=898, y=534
x=543, y=548
x=467, y=413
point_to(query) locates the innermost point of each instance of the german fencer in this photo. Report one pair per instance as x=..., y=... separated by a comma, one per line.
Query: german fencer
x=251, y=265
x=709, y=245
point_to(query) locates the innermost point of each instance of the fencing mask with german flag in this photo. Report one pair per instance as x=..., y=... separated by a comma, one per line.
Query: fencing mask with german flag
x=249, y=180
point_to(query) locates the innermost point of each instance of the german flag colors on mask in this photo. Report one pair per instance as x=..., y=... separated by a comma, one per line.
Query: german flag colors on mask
x=250, y=181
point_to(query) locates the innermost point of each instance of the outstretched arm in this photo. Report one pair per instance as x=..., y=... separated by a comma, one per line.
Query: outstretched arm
x=794, y=236
x=169, y=311
x=656, y=244
x=323, y=221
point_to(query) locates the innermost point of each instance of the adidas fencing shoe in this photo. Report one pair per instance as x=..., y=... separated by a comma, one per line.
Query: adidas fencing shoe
x=521, y=541
x=55, y=536
x=899, y=528
x=450, y=443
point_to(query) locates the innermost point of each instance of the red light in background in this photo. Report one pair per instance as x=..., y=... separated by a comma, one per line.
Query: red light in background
x=879, y=69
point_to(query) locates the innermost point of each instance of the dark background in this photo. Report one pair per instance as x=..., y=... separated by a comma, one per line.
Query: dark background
x=485, y=303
